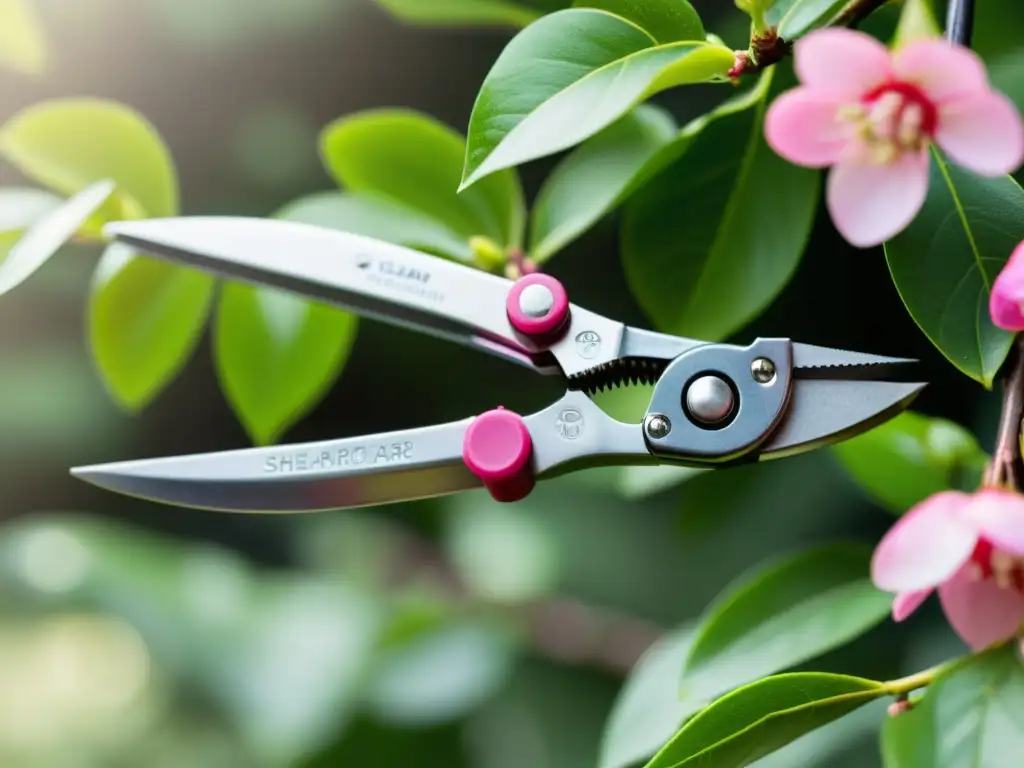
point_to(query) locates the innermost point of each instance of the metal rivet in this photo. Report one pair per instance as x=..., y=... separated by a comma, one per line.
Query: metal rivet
x=536, y=301
x=710, y=400
x=658, y=426
x=763, y=370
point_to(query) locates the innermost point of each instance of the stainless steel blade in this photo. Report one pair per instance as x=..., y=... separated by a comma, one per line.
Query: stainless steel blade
x=810, y=361
x=335, y=474
x=823, y=412
x=366, y=276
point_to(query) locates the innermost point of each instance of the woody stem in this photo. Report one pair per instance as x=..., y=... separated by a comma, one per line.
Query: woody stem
x=1004, y=468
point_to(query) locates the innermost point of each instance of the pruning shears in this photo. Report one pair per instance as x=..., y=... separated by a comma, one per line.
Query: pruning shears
x=713, y=405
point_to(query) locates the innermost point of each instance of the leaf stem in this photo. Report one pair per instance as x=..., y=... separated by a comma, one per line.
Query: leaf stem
x=905, y=685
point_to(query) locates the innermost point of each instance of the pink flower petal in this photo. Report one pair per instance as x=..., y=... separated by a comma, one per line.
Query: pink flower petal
x=908, y=602
x=981, y=612
x=983, y=132
x=1008, y=294
x=940, y=68
x=999, y=517
x=926, y=546
x=871, y=203
x=841, y=60
x=801, y=126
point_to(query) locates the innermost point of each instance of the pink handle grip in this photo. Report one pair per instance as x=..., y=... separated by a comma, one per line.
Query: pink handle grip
x=497, y=448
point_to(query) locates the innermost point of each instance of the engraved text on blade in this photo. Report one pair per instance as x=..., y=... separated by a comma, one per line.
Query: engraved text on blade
x=374, y=454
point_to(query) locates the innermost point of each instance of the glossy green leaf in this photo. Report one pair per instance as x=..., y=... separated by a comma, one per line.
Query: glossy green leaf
x=909, y=458
x=380, y=219
x=783, y=614
x=145, y=320
x=49, y=233
x=69, y=144
x=706, y=218
x=945, y=262
x=569, y=76
x=795, y=18
x=596, y=178
x=647, y=711
x=414, y=160
x=762, y=717
x=22, y=206
x=23, y=44
x=277, y=355
x=971, y=716
x=461, y=12
x=667, y=21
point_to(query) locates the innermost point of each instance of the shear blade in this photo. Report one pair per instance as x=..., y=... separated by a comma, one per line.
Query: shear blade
x=823, y=412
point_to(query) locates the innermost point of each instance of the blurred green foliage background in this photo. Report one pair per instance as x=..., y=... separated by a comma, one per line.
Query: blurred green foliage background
x=446, y=633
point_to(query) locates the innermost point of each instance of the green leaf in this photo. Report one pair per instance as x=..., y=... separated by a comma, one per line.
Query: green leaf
x=461, y=12
x=710, y=215
x=49, y=233
x=911, y=457
x=667, y=21
x=145, y=320
x=647, y=710
x=277, y=355
x=795, y=18
x=69, y=144
x=596, y=178
x=380, y=219
x=963, y=235
x=762, y=717
x=970, y=716
x=567, y=77
x=413, y=160
x=783, y=614
x=20, y=207
x=22, y=38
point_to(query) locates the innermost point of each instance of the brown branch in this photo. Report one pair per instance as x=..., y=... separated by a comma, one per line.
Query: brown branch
x=1004, y=470
x=767, y=48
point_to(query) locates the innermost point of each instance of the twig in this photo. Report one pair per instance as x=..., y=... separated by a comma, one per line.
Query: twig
x=854, y=13
x=1004, y=468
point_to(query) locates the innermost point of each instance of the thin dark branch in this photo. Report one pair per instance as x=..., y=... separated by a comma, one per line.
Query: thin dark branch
x=960, y=21
x=855, y=12
x=1004, y=470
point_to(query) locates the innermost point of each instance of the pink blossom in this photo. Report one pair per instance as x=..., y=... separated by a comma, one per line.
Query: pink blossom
x=1006, y=303
x=968, y=546
x=871, y=115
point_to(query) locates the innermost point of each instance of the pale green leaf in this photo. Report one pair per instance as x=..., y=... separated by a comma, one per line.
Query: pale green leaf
x=145, y=320
x=595, y=178
x=569, y=76
x=22, y=206
x=795, y=18
x=68, y=144
x=23, y=43
x=415, y=161
x=46, y=235
x=277, y=355
x=380, y=219
x=647, y=710
x=917, y=21
x=707, y=217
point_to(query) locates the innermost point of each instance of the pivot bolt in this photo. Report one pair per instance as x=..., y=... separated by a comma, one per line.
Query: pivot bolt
x=658, y=426
x=763, y=370
x=536, y=300
x=710, y=400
